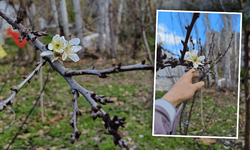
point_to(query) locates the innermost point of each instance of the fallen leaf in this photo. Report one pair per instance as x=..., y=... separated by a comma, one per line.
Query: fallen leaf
x=56, y=118
x=24, y=136
x=114, y=99
x=53, y=148
x=1, y=98
x=6, y=146
x=40, y=132
x=40, y=148
x=208, y=140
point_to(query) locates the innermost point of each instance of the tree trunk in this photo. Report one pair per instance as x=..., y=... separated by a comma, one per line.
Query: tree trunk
x=55, y=15
x=64, y=16
x=119, y=15
x=227, y=72
x=107, y=29
x=113, y=48
x=100, y=25
x=216, y=77
x=136, y=42
x=147, y=47
x=144, y=37
x=246, y=85
x=1, y=26
x=1, y=38
x=78, y=19
x=207, y=47
x=234, y=73
x=31, y=21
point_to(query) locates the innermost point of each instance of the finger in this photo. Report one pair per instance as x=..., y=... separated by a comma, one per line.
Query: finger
x=196, y=75
x=191, y=73
x=198, y=85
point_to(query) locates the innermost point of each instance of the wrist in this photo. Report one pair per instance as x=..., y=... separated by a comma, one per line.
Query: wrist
x=172, y=98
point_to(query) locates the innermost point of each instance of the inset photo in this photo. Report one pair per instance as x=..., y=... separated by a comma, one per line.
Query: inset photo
x=197, y=74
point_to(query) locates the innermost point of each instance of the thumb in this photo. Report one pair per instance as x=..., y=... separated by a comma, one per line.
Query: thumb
x=198, y=85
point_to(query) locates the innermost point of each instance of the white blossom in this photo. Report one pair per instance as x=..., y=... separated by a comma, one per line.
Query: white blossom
x=58, y=44
x=60, y=49
x=193, y=57
x=71, y=50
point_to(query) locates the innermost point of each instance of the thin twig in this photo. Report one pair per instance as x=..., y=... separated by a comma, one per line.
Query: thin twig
x=10, y=75
x=104, y=73
x=13, y=120
x=10, y=100
x=76, y=134
x=27, y=116
x=189, y=29
x=204, y=128
x=221, y=56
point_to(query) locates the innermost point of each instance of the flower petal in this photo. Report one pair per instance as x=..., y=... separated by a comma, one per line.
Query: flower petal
x=64, y=56
x=75, y=49
x=187, y=54
x=54, y=59
x=74, y=57
x=194, y=52
x=195, y=65
x=56, y=37
x=62, y=39
x=59, y=50
x=50, y=46
x=46, y=53
x=75, y=41
x=201, y=58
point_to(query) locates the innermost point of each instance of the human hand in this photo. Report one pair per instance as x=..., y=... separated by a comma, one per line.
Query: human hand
x=184, y=89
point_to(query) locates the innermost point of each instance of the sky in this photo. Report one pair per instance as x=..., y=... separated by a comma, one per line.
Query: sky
x=171, y=27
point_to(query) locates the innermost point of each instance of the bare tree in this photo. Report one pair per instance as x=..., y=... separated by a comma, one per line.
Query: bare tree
x=119, y=17
x=78, y=19
x=55, y=15
x=207, y=24
x=112, y=36
x=64, y=16
x=107, y=28
x=100, y=25
x=227, y=70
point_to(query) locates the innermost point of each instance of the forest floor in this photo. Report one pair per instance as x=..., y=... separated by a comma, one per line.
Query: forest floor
x=217, y=116
x=132, y=93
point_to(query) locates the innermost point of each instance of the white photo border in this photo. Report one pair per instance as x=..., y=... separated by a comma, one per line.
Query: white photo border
x=187, y=136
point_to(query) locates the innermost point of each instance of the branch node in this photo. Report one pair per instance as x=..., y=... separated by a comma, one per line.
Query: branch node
x=16, y=89
x=143, y=62
x=95, y=109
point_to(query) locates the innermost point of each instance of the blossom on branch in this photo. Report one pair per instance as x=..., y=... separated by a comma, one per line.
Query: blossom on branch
x=60, y=49
x=58, y=44
x=72, y=49
x=193, y=57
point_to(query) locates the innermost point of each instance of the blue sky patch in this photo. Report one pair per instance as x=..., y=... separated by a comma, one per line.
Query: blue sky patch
x=171, y=27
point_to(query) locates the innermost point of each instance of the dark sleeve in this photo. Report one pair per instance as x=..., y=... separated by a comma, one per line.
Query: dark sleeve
x=166, y=118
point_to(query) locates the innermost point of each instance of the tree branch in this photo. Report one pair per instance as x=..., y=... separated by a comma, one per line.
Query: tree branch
x=10, y=100
x=104, y=73
x=32, y=109
x=189, y=29
x=76, y=134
